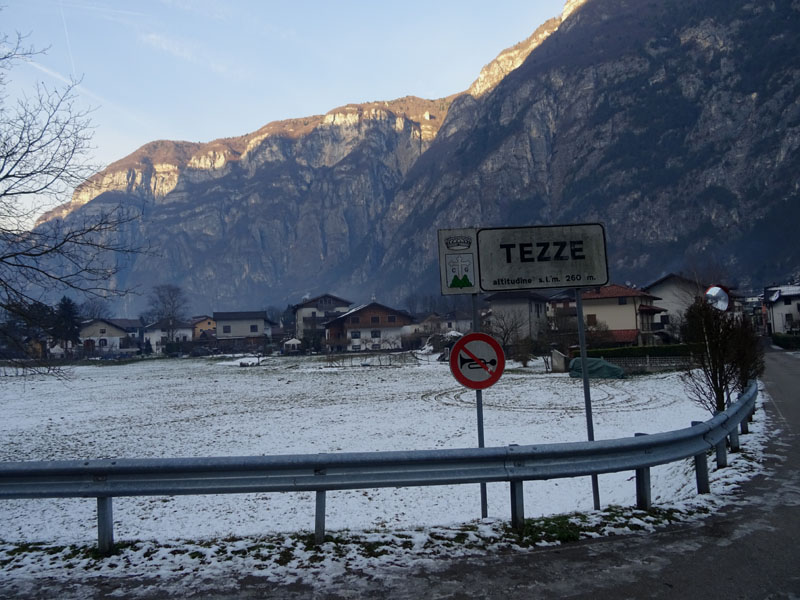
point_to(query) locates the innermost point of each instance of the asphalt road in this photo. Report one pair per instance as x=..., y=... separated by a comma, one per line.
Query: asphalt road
x=750, y=549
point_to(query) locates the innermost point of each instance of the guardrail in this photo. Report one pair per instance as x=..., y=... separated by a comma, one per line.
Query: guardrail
x=106, y=479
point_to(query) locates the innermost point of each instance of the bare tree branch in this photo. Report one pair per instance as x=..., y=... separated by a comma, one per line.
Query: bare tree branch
x=45, y=139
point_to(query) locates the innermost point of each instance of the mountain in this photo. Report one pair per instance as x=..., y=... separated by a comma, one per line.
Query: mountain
x=676, y=123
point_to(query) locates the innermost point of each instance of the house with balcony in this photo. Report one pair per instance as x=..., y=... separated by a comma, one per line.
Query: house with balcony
x=370, y=326
x=623, y=314
x=312, y=314
x=675, y=294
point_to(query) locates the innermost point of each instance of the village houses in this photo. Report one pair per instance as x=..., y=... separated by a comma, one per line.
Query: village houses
x=370, y=326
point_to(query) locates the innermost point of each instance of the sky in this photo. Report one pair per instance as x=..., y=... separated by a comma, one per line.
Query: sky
x=198, y=70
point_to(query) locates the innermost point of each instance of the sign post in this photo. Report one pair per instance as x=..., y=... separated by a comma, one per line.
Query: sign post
x=587, y=396
x=525, y=258
x=477, y=362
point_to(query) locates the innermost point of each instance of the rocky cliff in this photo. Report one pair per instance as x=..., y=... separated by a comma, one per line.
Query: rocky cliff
x=675, y=123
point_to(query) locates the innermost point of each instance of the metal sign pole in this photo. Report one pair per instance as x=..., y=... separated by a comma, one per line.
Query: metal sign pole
x=476, y=327
x=587, y=397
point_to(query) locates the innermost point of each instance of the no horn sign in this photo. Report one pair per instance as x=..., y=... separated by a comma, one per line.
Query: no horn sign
x=477, y=361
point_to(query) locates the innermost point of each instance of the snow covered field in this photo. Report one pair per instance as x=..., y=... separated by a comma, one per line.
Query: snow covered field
x=213, y=407
x=202, y=407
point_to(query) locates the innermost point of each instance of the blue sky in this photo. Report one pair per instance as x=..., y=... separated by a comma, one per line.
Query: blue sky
x=198, y=70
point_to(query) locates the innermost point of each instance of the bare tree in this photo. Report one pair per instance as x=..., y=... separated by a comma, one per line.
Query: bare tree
x=726, y=352
x=168, y=305
x=94, y=308
x=507, y=325
x=44, y=140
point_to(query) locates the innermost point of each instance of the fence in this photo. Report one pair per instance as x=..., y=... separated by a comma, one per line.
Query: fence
x=636, y=364
x=109, y=478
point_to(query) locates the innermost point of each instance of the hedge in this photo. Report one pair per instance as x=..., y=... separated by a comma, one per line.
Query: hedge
x=641, y=351
x=785, y=341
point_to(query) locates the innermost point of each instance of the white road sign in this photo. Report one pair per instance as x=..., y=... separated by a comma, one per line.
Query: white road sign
x=525, y=258
x=458, y=261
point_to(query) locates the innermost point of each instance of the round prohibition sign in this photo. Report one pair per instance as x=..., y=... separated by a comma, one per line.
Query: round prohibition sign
x=477, y=361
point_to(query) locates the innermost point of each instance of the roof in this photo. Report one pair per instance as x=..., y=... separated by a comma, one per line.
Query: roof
x=126, y=323
x=313, y=301
x=111, y=322
x=198, y=318
x=361, y=307
x=613, y=290
x=649, y=308
x=776, y=292
x=674, y=276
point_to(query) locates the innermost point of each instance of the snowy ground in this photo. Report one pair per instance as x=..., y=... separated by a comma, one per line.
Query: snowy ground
x=212, y=407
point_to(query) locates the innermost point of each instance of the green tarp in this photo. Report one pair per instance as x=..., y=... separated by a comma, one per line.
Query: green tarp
x=597, y=368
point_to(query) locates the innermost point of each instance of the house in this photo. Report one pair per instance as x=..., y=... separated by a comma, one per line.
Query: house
x=428, y=323
x=782, y=309
x=676, y=293
x=243, y=330
x=516, y=315
x=166, y=331
x=104, y=336
x=203, y=328
x=627, y=313
x=370, y=326
x=133, y=327
x=457, y=320
x=312, y=314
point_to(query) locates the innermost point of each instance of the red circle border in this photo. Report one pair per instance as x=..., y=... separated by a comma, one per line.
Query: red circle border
x=456, y=350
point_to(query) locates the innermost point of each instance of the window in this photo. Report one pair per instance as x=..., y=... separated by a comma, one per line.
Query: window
x=787, y=301
x=356, y=347
x=226, y=329
x=253, y=328
x=622, y=301
x=354, y=319
x=102, y=342
x=391, y=319
x=591, y=320
x=102, y=331
x=354, y=335
x=665, y=319
x=375, y=333
x=375, y=319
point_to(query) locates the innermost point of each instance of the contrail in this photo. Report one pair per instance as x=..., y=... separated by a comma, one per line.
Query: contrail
x=66, y=35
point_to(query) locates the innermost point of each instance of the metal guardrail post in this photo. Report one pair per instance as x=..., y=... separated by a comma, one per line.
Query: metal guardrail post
x=701, y=470
x=734, y=437
x=744, y=427
x=722, y=453
x=517, y=505
x=319, y=518
x=105, y=525
x=643, y=496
